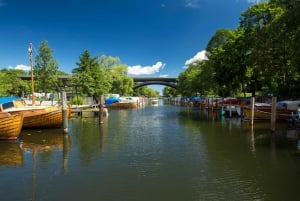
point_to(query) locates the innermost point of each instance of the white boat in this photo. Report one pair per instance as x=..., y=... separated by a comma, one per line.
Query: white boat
x=154, y=101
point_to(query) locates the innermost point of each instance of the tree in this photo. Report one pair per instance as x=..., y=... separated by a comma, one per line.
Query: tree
x=88, y=75
x=11, y=84
x=45, y=69
x=122, y=84
x=169, y=92
x=147, y=92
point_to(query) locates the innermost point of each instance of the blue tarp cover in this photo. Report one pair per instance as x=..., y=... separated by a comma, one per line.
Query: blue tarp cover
x=110, y=101
x=8, y=99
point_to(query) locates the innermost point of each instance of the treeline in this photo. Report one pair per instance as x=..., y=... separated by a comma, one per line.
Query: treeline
x=260, y=56
x=93, y=76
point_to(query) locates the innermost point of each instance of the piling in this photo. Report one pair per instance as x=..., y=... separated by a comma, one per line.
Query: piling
x=230, y=109
x=252, y=102
x=100, y=113
x=273, y=113
x=64, y=111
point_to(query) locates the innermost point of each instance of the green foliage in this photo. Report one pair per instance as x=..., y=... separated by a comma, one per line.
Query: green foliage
x=169, y=92
x=45, y=69
x=147, y=92
x=76, y=100
x=260, y=56
x=96, y=76
x=11, y=84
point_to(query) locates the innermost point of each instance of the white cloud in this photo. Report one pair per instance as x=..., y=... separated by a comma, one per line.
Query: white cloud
x=192, y=3
x=145, y=70
x=200, y=56
x=20, y=67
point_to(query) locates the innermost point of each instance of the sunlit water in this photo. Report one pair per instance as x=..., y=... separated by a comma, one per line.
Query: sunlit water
x=158, y=153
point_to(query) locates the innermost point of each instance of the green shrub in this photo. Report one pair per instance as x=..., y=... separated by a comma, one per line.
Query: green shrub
x=76, y=100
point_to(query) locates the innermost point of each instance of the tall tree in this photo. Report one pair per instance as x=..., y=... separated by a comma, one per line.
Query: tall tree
x=45, y=69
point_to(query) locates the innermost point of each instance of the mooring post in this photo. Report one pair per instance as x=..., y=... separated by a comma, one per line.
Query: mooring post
x=64, y=111
x=252, y=102
x=273, y=113
x=100, y=113
x=230, y=109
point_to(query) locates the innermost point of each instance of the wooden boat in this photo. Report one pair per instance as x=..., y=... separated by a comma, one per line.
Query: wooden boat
x=122, y=105
x=10, y=125
x=263, y=112
x=122, y=102
x=36, y=116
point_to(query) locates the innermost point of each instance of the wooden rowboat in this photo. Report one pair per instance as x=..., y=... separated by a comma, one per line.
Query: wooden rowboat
x=10, y=125
x=264, y=113
x=36, y=116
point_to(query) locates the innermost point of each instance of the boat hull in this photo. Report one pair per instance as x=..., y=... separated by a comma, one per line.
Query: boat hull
x=10, y=125
x=123, y=105
x=39, y=116
x=264, y=113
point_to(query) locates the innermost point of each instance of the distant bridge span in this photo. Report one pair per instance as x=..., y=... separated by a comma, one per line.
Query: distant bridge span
x=167, y=81
x=139, y=81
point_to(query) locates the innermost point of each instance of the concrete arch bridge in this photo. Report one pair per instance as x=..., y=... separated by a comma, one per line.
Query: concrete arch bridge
x=143, y=81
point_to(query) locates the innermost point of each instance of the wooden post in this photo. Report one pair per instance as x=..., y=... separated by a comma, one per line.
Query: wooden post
x=273, y=113
x=100, y=113
x=64, y=111
x=230, y=109
x=252, y=102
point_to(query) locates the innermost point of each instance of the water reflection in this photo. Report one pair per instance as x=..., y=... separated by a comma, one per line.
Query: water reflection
x=247, y=158
x=89, y=137
x=11, y=154
x=44, y=143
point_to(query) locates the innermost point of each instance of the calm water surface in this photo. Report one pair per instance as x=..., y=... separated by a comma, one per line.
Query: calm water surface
x=158, y=153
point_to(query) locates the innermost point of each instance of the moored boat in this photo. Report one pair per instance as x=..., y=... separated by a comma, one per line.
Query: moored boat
x=122, y=102
x=154, y=101
x=36, y=116
x=10, y=125
x=263, y=112
x=122, y=105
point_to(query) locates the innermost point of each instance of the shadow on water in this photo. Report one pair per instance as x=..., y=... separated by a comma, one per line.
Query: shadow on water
x=260, y=132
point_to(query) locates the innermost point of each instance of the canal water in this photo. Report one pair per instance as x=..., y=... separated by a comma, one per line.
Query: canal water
x=157, y=153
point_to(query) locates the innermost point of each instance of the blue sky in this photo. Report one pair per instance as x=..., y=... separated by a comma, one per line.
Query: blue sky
x=152, y=37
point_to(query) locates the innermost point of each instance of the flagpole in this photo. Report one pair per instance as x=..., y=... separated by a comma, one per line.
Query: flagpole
x=31, y=68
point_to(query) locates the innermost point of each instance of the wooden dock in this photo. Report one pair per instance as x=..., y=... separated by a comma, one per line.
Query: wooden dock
x=85, y=112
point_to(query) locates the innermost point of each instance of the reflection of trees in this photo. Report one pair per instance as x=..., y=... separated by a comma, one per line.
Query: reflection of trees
x=89, y=136
x=244, y=158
